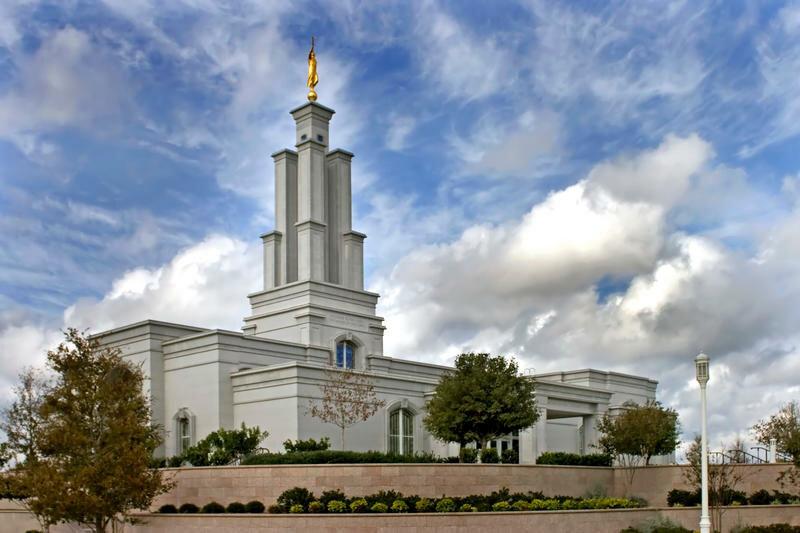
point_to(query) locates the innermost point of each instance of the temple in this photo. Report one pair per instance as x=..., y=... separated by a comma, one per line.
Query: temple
x=313, y=314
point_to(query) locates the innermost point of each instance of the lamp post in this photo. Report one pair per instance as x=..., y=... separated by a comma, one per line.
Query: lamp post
x=701, y=369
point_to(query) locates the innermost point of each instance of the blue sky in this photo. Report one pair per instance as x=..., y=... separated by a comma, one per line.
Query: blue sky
x=605, y=184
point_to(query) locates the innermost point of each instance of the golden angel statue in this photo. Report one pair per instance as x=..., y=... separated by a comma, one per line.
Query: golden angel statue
x=313, y=79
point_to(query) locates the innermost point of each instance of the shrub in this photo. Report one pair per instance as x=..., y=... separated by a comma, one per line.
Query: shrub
x=254, y=507
x=275, y=509
x=490, y=456
x=399, y=506
x=574, y=459
x=379, y=507
x=760, y=497
x=330, y=495
x=445, y=505
x=337, y=457
x=501, y=506
x=658, y=524
x=296, y=495
x=309, y=445
x=683, y=498
x=297, y=509
x=359, y=505
x=337, y=506
x=510, y=456
x=772, y=528
x=168, y=509
x=223, y=446
x=316, y=507
x=467, y=508
x=175, y=462
x=188, y=508
x=469, y=455
x=213, y=508
x=521, y=505
x=545, y=505
x=236, y=507
x=423, y=505
x=386, y=497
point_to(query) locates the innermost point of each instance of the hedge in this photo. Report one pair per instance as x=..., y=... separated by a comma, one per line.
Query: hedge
x=686, y=498
x=337, y=457
x=300, y=499
x=574, y=459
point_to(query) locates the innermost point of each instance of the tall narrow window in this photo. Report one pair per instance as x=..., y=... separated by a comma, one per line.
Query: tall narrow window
x=401, y=432
x=344, y=354
x=184, y=434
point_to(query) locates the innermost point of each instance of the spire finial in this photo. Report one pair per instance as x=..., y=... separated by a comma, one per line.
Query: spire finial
x=313, y=79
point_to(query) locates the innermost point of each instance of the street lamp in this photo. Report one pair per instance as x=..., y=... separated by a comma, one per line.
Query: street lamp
x=701, y=370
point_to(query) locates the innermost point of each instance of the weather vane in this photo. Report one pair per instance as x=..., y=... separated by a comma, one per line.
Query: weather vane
x=313, y=79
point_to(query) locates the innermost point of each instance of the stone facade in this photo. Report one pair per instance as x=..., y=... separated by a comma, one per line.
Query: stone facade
x=312, y=309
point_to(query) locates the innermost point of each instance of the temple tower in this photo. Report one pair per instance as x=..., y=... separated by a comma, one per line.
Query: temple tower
x=313, y=260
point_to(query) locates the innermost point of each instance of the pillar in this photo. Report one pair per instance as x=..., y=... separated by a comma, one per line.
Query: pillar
x=340, y=217
x=590, y=435
x=272, y=259
x=541, y=432
x=353, y=260
x=286, y=213
x=527, y=446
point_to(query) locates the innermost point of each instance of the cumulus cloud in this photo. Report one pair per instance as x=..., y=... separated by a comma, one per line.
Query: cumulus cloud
x=203, y=285
x=534, y=288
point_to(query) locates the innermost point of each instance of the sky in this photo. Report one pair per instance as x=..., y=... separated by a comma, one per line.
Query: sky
x=613, y=185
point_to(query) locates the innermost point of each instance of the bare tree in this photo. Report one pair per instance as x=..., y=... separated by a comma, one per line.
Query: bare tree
x=348, y=397
x=723, y=480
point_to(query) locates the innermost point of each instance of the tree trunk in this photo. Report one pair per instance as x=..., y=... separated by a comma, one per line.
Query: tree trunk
x=343, y=438
x=99, y=525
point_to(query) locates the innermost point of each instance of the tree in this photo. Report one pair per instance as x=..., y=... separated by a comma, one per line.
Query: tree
x=21, y=422
x=637, y=434
x=94, y=439
x=484, y=398
x=723, y=480
x=783, y=426
x=348, y=397
x=224, y=446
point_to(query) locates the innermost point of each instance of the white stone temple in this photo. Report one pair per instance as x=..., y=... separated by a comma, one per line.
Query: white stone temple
x=313, y=313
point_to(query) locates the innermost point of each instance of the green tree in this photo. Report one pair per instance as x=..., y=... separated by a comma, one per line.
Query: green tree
x=94, y=439
x=483, y=398
x=224, y=446
x=783, y=426
x=637, y=434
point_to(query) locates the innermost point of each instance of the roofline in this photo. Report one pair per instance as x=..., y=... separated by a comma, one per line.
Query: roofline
x=147, y=322
x=604, y=372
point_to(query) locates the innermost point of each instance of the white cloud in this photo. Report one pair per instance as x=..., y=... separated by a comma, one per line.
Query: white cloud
x=398, y=130
x=205, y=284
x=66, y=82
x=464, y=65
x=659, y=176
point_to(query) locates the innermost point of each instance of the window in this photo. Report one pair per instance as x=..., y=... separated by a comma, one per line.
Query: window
x=344, y=354
x=184, y=434
x=401, y=432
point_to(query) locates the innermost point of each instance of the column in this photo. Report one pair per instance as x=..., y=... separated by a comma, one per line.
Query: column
x=527, y=446
x=272, y=259
x=286, y=212
x=352, y=274
x=590, y=435
x=339, y=210
x=541, y=432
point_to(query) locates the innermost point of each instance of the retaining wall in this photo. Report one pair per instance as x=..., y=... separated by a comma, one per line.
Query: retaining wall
x=543, y=521
x=200, y=485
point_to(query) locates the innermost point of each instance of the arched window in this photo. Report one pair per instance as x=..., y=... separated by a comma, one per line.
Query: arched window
x=184, y=430
x=344, y=354
x=401, y=431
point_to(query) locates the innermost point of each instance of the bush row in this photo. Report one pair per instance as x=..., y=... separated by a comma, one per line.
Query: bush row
x=337, y=457
x=772, y=528
x=686, y=498
x=574, y=459
x=301, y=500
x=254, y=506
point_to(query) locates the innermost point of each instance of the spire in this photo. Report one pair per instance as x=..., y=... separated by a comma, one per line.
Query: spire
x=313, y=79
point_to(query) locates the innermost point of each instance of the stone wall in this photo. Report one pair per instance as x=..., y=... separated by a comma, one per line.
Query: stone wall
x=550, y=521
x=265, y=483
x=654, y=482
x=201, y=485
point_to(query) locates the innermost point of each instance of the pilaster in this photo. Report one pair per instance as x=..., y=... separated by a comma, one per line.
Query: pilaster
x=286, y=212
x=352, y=261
